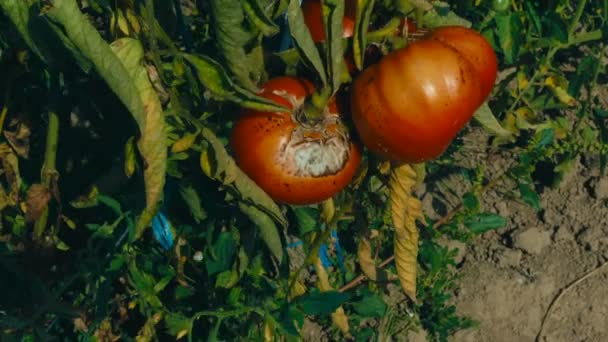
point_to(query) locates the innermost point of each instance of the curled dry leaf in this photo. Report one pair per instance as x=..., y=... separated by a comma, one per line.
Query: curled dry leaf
x=366, y=261
x=38, y=197
x=406, y=209
x=104, y=332
x=10, y=170
x=18, y=136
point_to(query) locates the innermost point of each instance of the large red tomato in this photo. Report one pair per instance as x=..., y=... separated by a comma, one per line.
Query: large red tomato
x=411, y=105
x=293, y=161
x=314, y=19
x=473, y=46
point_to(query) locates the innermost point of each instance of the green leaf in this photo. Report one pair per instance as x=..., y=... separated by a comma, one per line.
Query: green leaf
x=222, y=254
x=152, y=143
x=484, y=222
x=226, y=279
x=193, y=202
x=226, y=171
x=232, y=38
x=321, y=303
x=110, y=203
x=268, y=230
x=509, y=35
x=584, y=72
x=470, y=201
x=178, y=325
x=441, y=15
x=555, y=27
x=144, y=283
x=86, y=38
x=303, y=40
x=307, y=219
x=18, y=11
x=488, y=121
x=259, y=18
x=214, y=78
x=529, y=196
x=364, y=12
x=371, y=305
x=601, y=113
x=291, y=321
x=333, y=14
x=543, y=138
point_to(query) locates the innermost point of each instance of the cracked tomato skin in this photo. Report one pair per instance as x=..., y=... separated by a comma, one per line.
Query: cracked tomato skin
x=294, y=163
x=473, y=46
x=410, y=106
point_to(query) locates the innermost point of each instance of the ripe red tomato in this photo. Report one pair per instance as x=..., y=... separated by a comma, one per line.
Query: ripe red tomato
x=314, y=19
x=473, y=46
x=410, y=106
x=294, y=162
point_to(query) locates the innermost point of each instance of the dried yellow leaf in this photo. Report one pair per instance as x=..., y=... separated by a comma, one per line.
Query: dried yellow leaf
x=205, y=163
x=405, y=210
x=558, y=88
x=366, y=261
x=184, y=143
x=338, y=317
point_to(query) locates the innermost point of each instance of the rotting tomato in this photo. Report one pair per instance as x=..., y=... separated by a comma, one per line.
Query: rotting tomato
x=473, y=46
x=295, y=162
x=314, y=19
x=410, y=106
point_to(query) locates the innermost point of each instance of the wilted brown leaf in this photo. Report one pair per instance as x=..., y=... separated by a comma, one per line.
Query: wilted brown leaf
x=38, y=197
x=80, y=325
x=366, y=261
x=104, y=332
x=18, y=136
x=10, y=169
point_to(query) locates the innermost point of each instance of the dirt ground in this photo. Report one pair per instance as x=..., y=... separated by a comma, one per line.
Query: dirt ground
x=549, y=265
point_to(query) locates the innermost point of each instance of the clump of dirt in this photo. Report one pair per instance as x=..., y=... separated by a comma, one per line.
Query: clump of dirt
x=546, y=265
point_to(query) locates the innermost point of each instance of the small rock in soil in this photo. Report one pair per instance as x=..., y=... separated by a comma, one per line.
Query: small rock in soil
x=533, y=240
x=562, y=233
x=590, y=239
x=600, y=190
x=502, y=209
x=509, y=258
x=417, y=336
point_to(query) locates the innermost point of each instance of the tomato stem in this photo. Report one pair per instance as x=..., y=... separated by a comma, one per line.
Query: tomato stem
x=314, y=107
x=387, y=30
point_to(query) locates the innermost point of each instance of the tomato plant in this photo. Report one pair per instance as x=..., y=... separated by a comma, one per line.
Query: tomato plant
x=293, y=160
x=412, y=104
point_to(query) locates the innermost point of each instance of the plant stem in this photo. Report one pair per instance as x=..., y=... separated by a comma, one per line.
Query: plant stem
x=387, y=30
x=48, y=170
x=314, y=107
x=580, y=7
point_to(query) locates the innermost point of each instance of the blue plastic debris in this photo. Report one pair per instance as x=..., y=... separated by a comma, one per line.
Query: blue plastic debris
x=162, y=230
